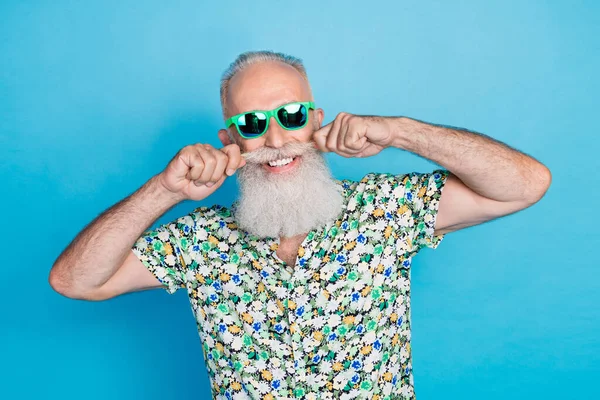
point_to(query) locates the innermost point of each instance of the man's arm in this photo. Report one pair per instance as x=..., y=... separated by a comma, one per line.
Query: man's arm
x=99, y=263
x=488, y=179
x=103, y=248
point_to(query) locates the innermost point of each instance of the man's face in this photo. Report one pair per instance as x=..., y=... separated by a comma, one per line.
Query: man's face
x=274, y=200
x=266, y=86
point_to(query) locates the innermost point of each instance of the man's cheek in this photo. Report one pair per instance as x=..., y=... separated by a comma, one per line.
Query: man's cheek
x=249, y=145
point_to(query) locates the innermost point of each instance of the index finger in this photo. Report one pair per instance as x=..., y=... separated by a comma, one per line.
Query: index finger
x=235, y=159
x=320, y=137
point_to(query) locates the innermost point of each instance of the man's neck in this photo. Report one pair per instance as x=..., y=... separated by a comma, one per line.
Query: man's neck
x=293, y=239
x=288, y=248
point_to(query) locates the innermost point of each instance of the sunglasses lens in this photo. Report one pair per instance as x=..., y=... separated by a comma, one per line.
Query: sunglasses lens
x=293, y=116
x=252, y=124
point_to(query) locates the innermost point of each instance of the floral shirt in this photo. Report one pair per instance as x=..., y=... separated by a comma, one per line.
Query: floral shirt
x=334, y=326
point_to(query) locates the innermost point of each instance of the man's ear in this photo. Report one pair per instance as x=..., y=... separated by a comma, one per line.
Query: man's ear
x=224, y=137
x=320, y=116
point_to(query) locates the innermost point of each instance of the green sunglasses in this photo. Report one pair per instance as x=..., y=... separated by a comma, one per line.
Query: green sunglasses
x=254, y=124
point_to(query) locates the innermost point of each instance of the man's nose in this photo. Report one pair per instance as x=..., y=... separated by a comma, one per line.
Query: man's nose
x=276, y=135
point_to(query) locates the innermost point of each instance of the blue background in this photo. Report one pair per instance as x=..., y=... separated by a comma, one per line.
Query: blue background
x=97, y=96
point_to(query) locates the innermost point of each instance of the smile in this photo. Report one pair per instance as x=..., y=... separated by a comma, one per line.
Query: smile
x=282, y=165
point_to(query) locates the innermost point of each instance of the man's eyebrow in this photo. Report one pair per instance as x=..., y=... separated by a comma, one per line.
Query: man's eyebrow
x=287, y=102
x=279, y=105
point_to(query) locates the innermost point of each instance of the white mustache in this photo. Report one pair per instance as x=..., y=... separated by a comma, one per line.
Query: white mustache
x=290, y=150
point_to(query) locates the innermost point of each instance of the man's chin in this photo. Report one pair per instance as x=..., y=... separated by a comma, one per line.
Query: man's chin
x=287, y=200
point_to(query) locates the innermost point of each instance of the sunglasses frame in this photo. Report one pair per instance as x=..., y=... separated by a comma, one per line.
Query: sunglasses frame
x=269, y=113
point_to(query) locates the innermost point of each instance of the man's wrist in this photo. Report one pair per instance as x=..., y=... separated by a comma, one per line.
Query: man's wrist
x=159, y=192
x=401, y=129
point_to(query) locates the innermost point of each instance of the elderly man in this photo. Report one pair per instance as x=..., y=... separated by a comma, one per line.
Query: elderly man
x=302, y=288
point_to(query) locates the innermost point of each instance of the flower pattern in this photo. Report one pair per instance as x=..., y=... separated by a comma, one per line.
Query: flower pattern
x=334, y=326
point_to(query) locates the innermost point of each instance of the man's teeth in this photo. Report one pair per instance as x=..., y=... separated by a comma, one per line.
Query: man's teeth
x=280, y=163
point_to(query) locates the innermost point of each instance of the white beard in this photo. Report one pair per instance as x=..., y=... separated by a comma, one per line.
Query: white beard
x=290, y=203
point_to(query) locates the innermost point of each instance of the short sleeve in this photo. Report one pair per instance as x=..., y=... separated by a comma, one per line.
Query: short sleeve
x=422, y=195
x=164, y=251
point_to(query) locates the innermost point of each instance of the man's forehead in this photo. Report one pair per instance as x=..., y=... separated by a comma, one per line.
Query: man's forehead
x=265, y=86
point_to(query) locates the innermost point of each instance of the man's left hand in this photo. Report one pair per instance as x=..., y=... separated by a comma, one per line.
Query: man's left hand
x=354, y=135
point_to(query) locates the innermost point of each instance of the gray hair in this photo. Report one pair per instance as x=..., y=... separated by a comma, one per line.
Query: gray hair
x=253, y=57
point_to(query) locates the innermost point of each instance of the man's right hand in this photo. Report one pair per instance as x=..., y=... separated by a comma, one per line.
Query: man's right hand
x=200, y=169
